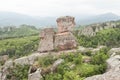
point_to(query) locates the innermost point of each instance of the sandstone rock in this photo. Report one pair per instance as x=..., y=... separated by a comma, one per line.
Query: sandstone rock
x=22, y=61
x=47, y=39
x=113, y=62
x=83, y=49
x=113, y=72
x=36, y=75
x=106, y=76
x=3, y=73
x=86, y=59
x=72, y=66
x=65, y=41
x=97, y=49
x=87, y=31
x=27, y=60
x=8, y=64
x=56, y=63
x=65, y=24
x=4, y=58
x=114, y=51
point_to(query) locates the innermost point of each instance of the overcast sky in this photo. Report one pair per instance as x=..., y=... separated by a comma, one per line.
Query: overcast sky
x=50, y=8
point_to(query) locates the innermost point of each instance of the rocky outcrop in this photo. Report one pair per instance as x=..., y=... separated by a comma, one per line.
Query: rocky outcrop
x=65, y=24
x=97, y=49
x=61, y=40
x=56, y=64
x=114, y=51
x=36, y=75
x=47, y=39
x=4, y=58
x=65, y=41
x=113, y=72
x=91, y=30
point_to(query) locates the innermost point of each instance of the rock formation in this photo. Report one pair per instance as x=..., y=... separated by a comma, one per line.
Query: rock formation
x=47, y=39
x=91, y=30
x=113, y=72
x=35, y=76
x=65, y=24
x=62, y=40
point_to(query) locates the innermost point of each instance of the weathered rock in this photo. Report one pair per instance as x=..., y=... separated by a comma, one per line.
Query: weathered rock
x=83, y=49
x=113, y=72
x=92, y=29
x=113, y=62
x=87, y=31
x=36, y=75
x=97, y=49
x=47, y=39
x=65, y=24
x=27, y=60
x=114, y=51
x=65, y=41
x=8, y=64
x=56, y=63
x=72, y=66
x=4, y=58
x=86, y=60
x=22, y=61
x=3, y=73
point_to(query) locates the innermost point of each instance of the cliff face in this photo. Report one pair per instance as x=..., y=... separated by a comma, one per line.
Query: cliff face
x=92, y=29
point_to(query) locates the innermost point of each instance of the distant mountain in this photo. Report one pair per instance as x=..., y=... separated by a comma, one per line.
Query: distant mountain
x=10, y=18
x=98, y=19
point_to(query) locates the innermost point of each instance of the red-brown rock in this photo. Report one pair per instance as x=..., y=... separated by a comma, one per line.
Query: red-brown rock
x=65, y=24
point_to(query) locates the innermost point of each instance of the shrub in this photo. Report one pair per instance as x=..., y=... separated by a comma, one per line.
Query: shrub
x=54, y=76
x=99, y=58
x=70, y=75
x=46, y=61
x=18, y=72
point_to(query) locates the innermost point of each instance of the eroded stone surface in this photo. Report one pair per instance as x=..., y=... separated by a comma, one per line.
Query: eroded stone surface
x=36, y=75
x=113, y=72
x=65, y=24
x=62, y=40
x=46, y=40
x=65, y=41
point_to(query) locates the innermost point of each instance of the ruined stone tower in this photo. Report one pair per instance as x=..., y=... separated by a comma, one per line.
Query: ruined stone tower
x=62, y=40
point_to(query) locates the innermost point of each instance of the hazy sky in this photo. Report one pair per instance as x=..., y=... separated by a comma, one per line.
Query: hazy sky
x=60, y=7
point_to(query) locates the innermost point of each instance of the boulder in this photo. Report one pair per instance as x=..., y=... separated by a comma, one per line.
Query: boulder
x=94, y=51
x=113, y=72
x=46, y=40
x=36, y=75
x=28, y=60
x=65, y=24
x=8, y=64
x=114, y=51
x=113, y=62
x=65, y=41
x=56, y=63
x=4, y=58
x=22, y=61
